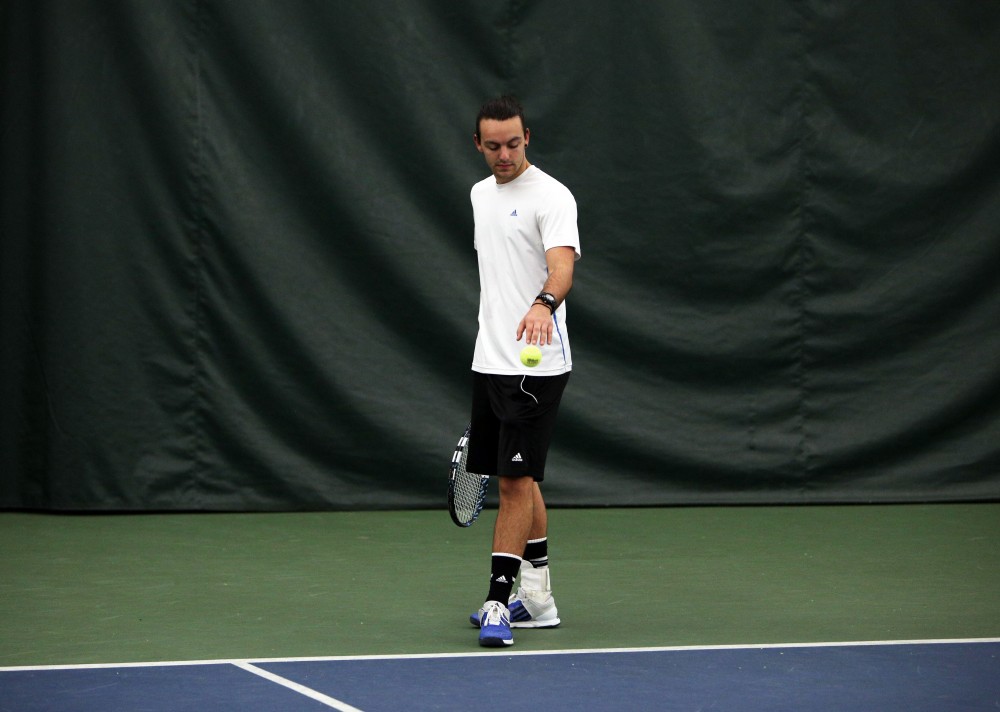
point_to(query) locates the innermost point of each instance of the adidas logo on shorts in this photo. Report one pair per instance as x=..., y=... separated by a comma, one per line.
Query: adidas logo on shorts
x=517, y=458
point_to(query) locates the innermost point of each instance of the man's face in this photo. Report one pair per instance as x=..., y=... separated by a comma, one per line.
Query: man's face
x=502, y=143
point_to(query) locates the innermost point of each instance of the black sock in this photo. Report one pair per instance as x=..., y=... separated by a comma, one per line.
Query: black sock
x=537, y=552
x=504, y=571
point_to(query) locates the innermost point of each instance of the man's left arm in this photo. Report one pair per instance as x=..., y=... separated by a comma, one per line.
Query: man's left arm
x=537, y=324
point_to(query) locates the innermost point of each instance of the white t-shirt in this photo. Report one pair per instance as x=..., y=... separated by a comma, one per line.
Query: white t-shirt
x=516, y=223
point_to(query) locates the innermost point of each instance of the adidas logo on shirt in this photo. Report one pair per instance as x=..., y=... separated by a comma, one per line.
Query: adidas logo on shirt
x=514, y=214
x=517, y=458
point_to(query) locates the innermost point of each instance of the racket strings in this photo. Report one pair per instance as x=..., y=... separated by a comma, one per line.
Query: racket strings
x=469, y=492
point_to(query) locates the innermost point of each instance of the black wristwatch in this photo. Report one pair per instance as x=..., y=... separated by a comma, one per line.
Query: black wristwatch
x=547, y=300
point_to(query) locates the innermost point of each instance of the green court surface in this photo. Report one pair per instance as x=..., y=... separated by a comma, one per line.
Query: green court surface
x=162, y=587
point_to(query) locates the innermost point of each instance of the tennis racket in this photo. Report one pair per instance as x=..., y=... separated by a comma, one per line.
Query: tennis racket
x=466, y=490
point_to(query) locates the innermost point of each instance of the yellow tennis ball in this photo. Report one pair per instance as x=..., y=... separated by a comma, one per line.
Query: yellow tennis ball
x=531, y=356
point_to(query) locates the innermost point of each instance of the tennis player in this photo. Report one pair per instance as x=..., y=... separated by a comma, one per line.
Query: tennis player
x=527, y=242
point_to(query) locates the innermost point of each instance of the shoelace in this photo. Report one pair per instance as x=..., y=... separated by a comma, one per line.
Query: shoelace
x=496, y=614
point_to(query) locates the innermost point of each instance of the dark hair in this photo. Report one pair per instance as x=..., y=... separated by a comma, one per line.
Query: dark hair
x=500, y=109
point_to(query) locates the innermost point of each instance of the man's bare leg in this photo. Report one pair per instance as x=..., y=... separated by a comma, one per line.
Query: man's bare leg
x=516, y=519
x=539, y=516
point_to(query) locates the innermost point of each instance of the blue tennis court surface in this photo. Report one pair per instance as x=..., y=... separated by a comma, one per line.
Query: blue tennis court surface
x=936, y=676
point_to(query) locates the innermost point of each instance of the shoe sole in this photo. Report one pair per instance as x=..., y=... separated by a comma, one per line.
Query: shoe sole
x=536, y=624
x=495, y=642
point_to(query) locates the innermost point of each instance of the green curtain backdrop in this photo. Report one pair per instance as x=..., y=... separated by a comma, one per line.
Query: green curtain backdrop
x=237, y=264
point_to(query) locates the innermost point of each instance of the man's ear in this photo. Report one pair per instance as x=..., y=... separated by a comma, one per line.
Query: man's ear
x=527, y=136
x=475, y=139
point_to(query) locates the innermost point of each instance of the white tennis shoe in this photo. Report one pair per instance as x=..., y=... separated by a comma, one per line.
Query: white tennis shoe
x=533, y=609
x=532, y=605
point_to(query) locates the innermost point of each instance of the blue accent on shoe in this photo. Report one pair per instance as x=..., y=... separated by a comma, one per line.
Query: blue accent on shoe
x=518, y=612
x=495, y=636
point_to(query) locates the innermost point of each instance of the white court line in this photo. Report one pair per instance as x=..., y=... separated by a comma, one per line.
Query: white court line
x=301, y=689
x=505, y=653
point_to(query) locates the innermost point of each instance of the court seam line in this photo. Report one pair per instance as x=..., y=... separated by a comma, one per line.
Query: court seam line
x=506, y=653
x=312, y=694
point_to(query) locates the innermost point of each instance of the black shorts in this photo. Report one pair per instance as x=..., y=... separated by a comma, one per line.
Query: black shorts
x=513, y=418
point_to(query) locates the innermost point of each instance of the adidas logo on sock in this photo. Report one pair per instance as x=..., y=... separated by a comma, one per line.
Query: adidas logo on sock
x=502, y=579
x=517, y=458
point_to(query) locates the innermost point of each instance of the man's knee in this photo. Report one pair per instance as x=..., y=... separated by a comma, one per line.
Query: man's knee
x=517, y=487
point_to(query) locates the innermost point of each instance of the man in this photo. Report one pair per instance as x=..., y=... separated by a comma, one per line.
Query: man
x=527, y=243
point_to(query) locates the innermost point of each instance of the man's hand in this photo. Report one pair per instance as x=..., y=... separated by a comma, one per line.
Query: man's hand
x=536, y=326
